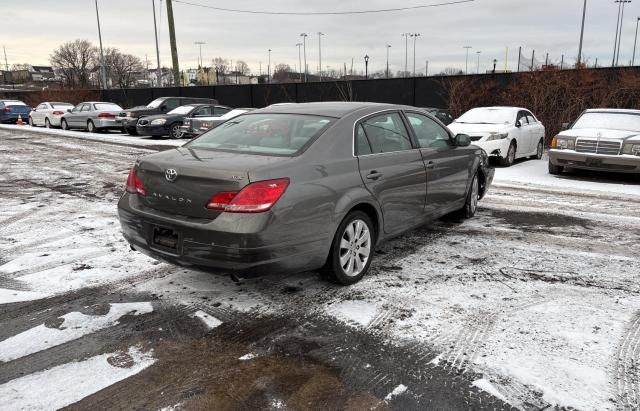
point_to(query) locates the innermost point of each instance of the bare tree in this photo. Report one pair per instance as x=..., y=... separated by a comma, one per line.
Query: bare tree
x=76, y=61
x=221, y=65
x=243, y=68
x=123, y=67
x=281, y=72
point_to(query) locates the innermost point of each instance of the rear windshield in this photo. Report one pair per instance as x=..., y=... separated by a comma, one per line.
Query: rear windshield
x=14, y=103
x=610, y=121
x=271, y=134
x=107, y=106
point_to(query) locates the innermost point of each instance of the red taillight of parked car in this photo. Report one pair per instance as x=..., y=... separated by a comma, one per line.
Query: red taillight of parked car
x=7, y=109
x=254, y=198
x=134, y=184
x=106, y=115
x=58, y=113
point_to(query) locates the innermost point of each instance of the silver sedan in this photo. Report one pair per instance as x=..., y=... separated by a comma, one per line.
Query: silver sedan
x=92, y=116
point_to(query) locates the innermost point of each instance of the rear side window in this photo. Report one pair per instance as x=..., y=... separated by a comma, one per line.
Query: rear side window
x=386, y=133
x=362, y=144
x=269, y=134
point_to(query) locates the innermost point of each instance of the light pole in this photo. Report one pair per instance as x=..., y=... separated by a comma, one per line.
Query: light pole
x=620, y=35
x=366, y=66
x=406, y=52
x=200, y=43
x=478, y=69
x=269, y=68
x=103, y=70
x=388, y=47
x=155, y=29
x=299, y=45
x=415, y=37
x=466, y=70
x=304, y=46
x=635, y=43
x=584, y=15
x=495, y=63
x=320, y=34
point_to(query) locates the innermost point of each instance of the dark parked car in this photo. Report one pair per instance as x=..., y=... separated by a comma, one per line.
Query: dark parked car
x=170, y=124
x=129, y=119
x=300, y=187
x=194, y=126
x=441, y=114
x=11, y=110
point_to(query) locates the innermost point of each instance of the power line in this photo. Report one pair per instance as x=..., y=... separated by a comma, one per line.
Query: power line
x=327, y=13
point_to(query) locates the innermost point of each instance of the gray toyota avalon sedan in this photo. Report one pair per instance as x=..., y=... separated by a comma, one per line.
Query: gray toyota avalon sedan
x=300, y=187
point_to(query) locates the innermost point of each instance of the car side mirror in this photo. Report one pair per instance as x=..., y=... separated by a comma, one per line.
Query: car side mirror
x=69, y=110
x=462, y=140
x=565, y=126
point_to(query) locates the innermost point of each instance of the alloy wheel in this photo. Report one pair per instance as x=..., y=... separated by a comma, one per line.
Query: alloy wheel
x=540, y=149
x=475, y=188
x=47, y=123
x=512, y=154
x=355, y=247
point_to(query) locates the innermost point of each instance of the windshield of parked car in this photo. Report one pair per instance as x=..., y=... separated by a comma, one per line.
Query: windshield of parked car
x=488, y=116
x=610, y=121
x=107, y=107
x=272, y=134
x=155, y=103
x=182, y=110
x=61, y=105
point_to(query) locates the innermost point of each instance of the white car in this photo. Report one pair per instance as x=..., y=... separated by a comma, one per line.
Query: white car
x=508, y=133
x=48, y=114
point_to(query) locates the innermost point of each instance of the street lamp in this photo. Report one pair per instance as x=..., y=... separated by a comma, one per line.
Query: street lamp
x=478, y=69
x=635, y=43
x=466, y=70
x=584, y=15
x=388, y=47
x=618, y=40
x=415, y=37
x=620, y=36
x=366, y=66
x=304, y=46
x=269, y=68
x=320, y=34
x=406, y=52
x=103, y=70
x=495, y=63
x=200, y=43
x=299, y=45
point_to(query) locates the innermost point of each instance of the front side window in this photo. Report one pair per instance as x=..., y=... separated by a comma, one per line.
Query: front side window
x=386, y=133
x=42, y=107
x=270, y=134
x=204, y=111
x=522, y=118
x=86, y=107
x=172, y=103
x=429, y=133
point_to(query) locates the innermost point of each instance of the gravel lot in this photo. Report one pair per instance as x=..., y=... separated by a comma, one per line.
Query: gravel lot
x=535, y=303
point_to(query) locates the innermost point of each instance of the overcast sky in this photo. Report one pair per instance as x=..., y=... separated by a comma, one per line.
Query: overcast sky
x=31, y=29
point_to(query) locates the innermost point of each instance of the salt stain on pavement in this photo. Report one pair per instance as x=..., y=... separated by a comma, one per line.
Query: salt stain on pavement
x=69, y=327
x=69, y=383
x=358, y=312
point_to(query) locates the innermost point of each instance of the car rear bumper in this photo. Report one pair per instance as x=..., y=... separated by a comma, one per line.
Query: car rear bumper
x=246, y=249
x=104, y=123
x=54, y=120
x=13, y=117
x=595, y=162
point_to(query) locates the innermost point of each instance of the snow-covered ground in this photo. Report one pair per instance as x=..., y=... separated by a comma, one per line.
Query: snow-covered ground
x=536, y=300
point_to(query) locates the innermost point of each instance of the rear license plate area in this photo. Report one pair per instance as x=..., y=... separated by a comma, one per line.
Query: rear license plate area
x=166, y=239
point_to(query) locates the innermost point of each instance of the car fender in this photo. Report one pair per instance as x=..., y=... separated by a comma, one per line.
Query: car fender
x=352, y=198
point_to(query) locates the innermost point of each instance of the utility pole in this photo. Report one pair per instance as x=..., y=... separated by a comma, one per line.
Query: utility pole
x=406, y=52
x=466, y=70
x=584, y=15
x=299, y=45
x=200, y=43
x=172, y=40
x=533, y=60
x=388, y=47
x=269, y=68
x=426, y=68
x=519, y=57
x=155, y=30
x=415, y=37
x=304, y=47
x=478, y=69
x=6, y=62
x=635, y=43
x=320, y=34
x=620, y=35
x=103, y=70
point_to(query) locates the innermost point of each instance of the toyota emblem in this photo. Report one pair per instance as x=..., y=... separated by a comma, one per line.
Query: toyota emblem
x=170, y=174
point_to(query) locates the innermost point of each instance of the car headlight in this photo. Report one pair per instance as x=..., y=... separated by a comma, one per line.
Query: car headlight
x=204, y=125
x=498, y=136
x=187, y=123
x=632, y=149
x=158, y=122
x=563, y=143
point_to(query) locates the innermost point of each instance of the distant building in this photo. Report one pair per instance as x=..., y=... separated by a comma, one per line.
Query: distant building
x=42, y=73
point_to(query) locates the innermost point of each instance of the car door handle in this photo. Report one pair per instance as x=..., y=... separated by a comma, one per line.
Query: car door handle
x=374, y=175
x=431, y=165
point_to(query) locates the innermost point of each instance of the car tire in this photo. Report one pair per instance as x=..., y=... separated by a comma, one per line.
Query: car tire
x=47, y=123
x=555, y=170
x=31, y=121
x=91, y=128
x=539, y=150
x=346, y=250
x=174, y=131
x=510, y=158
x=471, y=202
x=64, y=125
x=132, y=131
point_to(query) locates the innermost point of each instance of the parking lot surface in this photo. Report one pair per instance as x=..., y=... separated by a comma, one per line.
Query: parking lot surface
x=534, y=303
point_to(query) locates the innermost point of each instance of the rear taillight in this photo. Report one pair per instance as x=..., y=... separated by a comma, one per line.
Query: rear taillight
x=58, y=113
x=7, y=109
x=134, y=184
x=255, y=198
x=106, y=115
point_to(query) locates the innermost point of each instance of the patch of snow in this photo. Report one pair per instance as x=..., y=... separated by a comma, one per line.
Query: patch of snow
x=15, y=296
x=436, y=361
x=486, y=386
x=210, y=321
x=74, y=325
x=249, y=356
x=358, y=311
x=69, y=383
x=399, y=390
